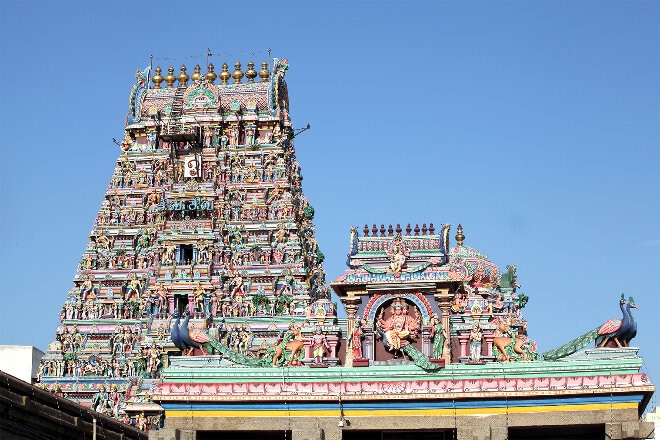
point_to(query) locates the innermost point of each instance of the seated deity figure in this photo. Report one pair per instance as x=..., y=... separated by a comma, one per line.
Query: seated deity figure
x=399, y=328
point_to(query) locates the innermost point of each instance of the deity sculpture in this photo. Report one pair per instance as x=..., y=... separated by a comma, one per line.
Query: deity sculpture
x=475, y=343
x=438, y=336
x=319, y=346
x=356, y=339
x=399, y=328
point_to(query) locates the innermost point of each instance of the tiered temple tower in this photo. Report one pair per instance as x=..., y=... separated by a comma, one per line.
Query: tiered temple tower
x=204, y=215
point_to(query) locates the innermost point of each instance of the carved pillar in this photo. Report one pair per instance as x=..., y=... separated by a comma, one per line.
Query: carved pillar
x=444, y=298
x=351, y=305
x=488, y=338
x=427, y=344
x=463, y=339
x=191, y=304
x=170, y=300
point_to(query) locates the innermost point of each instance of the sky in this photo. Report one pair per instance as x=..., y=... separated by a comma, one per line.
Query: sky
x=534, y=125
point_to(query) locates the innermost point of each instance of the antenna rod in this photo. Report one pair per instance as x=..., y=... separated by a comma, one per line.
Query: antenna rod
x=151, y=66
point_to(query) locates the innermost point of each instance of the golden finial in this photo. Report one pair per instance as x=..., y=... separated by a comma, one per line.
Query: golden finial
x=238, y=74
x=196, y=75
x=251, y=74
x=157, y=79
x=459, y=235
x=183, y=77
x=210, y=74
x=264, y=73
x=225, y=75
x=170, y=78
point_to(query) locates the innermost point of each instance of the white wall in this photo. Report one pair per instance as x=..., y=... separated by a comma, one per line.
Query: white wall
x=21, y=361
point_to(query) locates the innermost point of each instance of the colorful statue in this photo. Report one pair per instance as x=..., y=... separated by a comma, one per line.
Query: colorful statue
x=438, y=336
x=292, y=343
x=356, y=339
x=398, y=329
x=475, y=343
x=319, y=344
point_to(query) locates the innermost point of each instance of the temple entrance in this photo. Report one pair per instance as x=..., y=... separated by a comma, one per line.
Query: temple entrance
x=181, y=303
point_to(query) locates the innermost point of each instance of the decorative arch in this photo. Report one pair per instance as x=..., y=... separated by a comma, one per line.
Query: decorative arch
x=201, y=96
x=416, y=298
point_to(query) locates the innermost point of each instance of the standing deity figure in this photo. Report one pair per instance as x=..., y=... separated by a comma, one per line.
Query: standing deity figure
x=153, y=361
x=319, y=346
x=199, y=294
x=100, y=401
x=438, y=336
x=356, y=339
x=475, y=343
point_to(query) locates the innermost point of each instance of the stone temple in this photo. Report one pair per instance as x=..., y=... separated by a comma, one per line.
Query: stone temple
x=200, y=307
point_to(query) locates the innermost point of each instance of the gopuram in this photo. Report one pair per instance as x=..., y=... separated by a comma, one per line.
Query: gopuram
x=200, y=307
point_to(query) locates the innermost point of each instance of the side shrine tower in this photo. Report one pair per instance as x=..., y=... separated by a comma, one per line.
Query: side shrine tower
x=200, y=308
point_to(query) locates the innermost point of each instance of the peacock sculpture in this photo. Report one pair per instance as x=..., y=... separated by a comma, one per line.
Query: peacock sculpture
x=175, y=333
x=193, y=338
x=614, y=328
x=631, y=332
x=621, y=331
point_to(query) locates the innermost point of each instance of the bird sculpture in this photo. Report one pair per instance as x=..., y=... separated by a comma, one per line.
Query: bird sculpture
x=175, y=333
x=193, y=338
x=632, y=327
x=614, y=329
x=620, y=331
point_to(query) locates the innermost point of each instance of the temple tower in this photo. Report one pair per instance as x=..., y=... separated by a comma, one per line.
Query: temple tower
x=204, y=215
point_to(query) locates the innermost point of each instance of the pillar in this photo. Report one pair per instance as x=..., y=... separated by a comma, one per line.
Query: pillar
x=443, y=298
x=351, y=305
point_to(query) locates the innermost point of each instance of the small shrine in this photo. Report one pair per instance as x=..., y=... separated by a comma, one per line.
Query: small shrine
x=200, y=308
x=410, y=292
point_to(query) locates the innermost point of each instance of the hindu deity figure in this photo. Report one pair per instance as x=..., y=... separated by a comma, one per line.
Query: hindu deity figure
x=114, y=400
x=356, y=339
x=100, y=401
x=399, y=328
x=200, y=295
x=133, y=288
x=236, y=286
x=480, y=279
x=319, y=346
x=438, y=335
x=475, y=343
x=397, y=253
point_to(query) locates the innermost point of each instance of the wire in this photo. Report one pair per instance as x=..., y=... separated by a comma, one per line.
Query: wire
x=218, y=54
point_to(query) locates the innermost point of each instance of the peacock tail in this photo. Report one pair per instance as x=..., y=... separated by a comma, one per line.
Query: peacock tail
x=571, y=347
x=419, y=358
x=239, y=358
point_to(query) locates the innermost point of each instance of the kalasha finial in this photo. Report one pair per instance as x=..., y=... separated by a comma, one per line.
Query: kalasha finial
x=251, y=74
x=210, y=74
x=196, y=75
x=264, y=74
x=170, y=78
x=459, y=235
x=157, y=78
x=238, y=73
x=183, y=77
x=225, y=75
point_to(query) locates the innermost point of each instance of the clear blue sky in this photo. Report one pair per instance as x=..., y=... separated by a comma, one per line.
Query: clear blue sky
x=533, y=124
